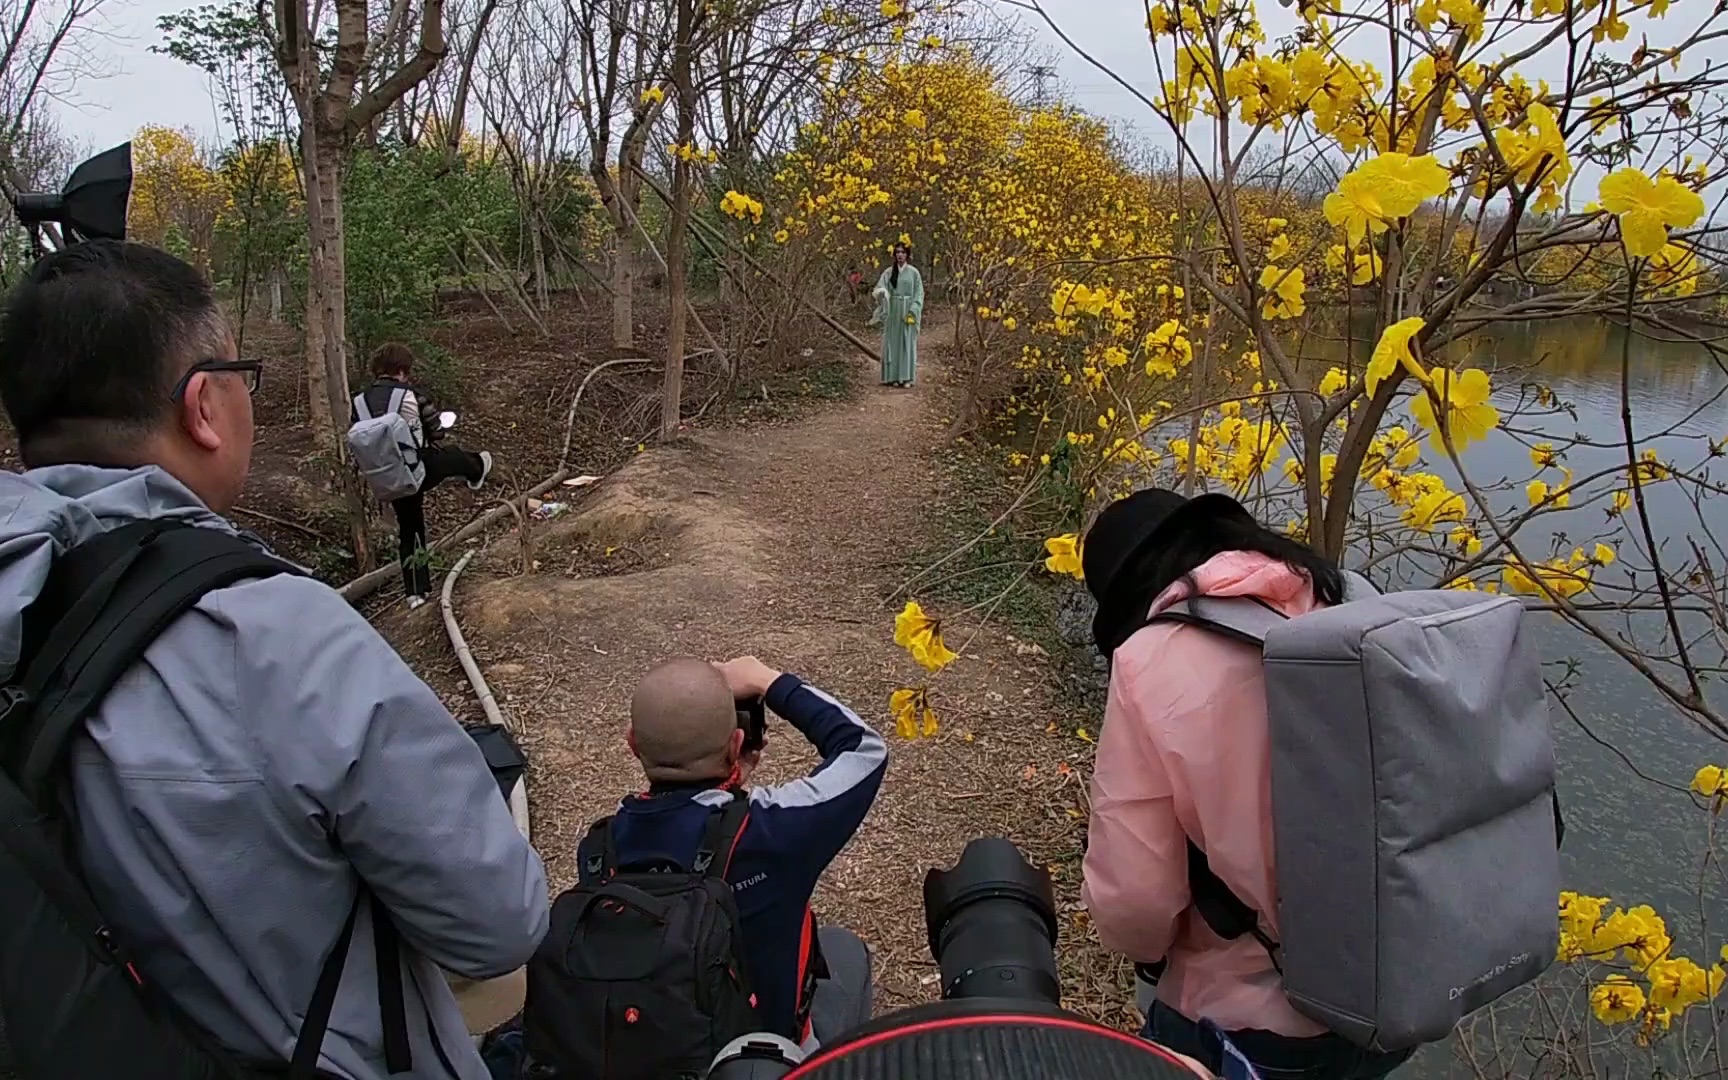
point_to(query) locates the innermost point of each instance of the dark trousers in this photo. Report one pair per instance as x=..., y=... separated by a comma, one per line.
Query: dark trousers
x=1275, y=1057
x=842, y=1000
x=442, y=463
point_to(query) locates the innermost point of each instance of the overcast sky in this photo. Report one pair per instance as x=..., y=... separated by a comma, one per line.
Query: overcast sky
x=146, y=88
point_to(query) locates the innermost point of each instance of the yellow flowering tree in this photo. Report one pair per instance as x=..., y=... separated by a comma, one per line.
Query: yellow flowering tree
x=177, y=196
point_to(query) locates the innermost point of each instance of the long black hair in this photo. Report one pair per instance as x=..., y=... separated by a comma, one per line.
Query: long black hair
x=894, y=272
x=1137, y=560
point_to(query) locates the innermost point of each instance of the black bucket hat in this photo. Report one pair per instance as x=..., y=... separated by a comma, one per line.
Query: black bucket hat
x=1141, y=523
x=1125, y=533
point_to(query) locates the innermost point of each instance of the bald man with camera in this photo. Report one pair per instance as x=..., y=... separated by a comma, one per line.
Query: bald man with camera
x=695, y=855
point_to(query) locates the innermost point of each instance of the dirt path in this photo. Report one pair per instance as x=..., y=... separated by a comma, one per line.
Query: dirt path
x=786, y=542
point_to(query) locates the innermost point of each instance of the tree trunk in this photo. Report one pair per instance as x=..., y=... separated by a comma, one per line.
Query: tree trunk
x=276, y=276
x=677, y=289
x=539, y=264
x=623, y=313
x=677, y=238
x=317, y=285
x=326, y=322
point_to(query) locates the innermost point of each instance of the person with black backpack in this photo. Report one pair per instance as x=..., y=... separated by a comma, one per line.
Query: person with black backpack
x=238, y=837
x=702, y=867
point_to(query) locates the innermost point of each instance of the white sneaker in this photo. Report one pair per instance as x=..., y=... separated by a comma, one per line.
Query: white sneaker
x=485, y=470
x=415, y=601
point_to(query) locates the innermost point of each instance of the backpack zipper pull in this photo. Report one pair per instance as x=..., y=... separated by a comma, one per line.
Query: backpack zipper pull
x=105, y=938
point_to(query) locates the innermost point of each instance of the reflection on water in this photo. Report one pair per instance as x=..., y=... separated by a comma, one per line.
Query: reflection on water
x=1626, y=837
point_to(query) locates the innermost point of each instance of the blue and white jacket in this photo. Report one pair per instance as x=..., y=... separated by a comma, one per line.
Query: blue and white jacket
x=791, y=835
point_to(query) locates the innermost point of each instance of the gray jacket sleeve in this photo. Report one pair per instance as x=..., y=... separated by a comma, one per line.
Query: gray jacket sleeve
x=367, y=752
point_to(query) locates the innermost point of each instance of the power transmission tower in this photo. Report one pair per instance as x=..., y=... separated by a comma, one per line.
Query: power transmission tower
x=1041, y=76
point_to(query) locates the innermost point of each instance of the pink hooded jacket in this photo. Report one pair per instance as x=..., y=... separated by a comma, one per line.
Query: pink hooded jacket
x=1184, y=752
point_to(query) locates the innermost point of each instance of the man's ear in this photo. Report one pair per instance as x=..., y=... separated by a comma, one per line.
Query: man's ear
x=735, y=746
x=630, y=741
x=197, y=412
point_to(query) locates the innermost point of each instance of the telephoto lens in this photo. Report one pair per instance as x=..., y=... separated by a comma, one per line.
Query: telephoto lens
x=992, y=925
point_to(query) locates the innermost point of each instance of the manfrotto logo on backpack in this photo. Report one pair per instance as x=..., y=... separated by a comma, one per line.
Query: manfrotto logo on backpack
x=1489, y=976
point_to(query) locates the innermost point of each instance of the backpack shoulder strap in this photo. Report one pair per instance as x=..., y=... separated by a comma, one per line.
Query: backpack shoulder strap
x=105, y=601
x=397, y=397
x=362, y=411
x=1243, y=618
x=1248, y=620
x=596, y=855
x=720, y=838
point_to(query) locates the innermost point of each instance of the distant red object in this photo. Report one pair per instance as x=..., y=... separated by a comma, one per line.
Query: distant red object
x=854, y=281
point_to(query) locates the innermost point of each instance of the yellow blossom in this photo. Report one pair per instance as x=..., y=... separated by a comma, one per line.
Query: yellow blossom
x=921, y=636
x=1284, y=293
x=1465, y=393
x=1538, y=492
x=1616, y=1000
x=1381, y=190
x=1710, y=781
x=903, y=706
x=1648, y=208
x=908, y=705
x=1434, y=508
x=1064, y=555
x=1393, y=349
x=1677, y=984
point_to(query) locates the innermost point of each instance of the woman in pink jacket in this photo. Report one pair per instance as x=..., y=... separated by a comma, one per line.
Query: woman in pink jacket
x=1184, y=755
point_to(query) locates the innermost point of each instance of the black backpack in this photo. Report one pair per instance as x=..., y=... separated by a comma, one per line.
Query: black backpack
x=74, y=1005
x=642, y=975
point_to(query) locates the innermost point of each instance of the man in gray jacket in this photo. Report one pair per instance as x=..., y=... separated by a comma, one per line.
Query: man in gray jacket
x=271, y=755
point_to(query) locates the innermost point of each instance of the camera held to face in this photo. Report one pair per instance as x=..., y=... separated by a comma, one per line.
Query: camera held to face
x=753, y=722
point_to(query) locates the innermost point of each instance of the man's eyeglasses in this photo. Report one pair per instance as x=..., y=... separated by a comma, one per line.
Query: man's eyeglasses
x=251, y=370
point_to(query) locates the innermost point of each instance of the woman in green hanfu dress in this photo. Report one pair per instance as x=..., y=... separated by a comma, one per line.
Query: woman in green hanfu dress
x=899, y=296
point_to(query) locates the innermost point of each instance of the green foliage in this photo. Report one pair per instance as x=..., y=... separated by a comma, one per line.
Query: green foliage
x=410, y=215
x=263, y=226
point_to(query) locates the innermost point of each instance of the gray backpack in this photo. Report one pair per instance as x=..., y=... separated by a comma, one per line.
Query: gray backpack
x=1415, y=820
x=384, y=450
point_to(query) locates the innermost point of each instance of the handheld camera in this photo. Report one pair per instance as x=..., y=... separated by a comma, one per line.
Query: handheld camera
x=753, y=721
x=991, y=921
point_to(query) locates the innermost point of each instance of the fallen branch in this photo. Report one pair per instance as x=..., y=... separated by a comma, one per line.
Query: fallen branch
x=570, y=417
x=488, y=703
x=286, y=524
x=367, y=584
